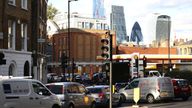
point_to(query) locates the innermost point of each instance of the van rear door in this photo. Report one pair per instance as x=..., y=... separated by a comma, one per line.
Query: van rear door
x=165, y=87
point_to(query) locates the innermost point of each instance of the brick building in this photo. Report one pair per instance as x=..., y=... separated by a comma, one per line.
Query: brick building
x=22, y=22
x=39, y=38
x=15, y=35
x=85, y=46
x=123, y=49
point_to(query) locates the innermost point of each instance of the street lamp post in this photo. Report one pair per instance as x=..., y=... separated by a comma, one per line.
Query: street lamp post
x=169, y=52
x=69, y=53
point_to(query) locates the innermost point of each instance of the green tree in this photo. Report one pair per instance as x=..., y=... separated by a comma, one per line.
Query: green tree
x=51, y=11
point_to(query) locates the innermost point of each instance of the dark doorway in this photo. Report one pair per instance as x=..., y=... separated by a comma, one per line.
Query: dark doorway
x=26, y=69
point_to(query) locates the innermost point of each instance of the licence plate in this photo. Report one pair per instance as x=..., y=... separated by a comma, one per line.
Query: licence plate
x=184, y=89
x=164, y=94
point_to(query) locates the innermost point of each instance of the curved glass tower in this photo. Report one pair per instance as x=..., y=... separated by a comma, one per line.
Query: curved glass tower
x=136, y=34
x=163, y=27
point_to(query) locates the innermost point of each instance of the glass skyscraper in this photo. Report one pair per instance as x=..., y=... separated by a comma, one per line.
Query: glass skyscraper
x=118, y=23
x=98, y=9
x=163, y=28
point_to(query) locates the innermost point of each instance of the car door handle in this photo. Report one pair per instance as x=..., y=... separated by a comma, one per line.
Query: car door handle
x=31, y=98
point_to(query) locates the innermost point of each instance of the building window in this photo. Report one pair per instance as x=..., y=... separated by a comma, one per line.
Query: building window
x=190, y=49
x=24, y=37
x=83, y=24
x=24, y=4
x=11, y=2
x=98, y=26
x=79, y=25
x=185, y=50
x=11, y=34
x=106, y=27
x=91, y=25
x=87, y=25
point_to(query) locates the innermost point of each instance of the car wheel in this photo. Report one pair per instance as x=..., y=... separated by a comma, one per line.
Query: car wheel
x=56, y=106
x=71, y=106
x=93, y=105
x=150, y=99
x=185, y=98
x=120, y=102
x=123, y=98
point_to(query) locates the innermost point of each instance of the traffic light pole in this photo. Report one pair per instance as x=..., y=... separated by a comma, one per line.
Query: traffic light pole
x=111, y=60
x=107, y=55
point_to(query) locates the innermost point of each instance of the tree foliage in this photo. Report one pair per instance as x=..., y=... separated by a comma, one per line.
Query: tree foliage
x=51, y=11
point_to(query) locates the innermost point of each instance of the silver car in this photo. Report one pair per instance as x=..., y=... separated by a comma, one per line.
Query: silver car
x=72, y=95
x=102, y=93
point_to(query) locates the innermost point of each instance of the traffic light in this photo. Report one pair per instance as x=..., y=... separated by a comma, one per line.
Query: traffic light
x=106, y=67
x=105, y=48
x=144, y=61
x=73, y=65
x=63, y=60
x=129, y=64
x=2, y=60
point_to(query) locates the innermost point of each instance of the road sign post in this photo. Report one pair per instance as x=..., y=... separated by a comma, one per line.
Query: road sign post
x=136, y=95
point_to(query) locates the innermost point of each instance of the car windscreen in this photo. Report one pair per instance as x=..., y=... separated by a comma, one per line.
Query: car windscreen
x=95, y=90
x=99, y=90
x=56, y=89
x=182, y=82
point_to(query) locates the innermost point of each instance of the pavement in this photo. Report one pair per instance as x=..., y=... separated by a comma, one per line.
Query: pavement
x=134, y=106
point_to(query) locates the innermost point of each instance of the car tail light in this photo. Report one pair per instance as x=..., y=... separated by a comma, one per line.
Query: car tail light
x=101, y=95
x=175, y=87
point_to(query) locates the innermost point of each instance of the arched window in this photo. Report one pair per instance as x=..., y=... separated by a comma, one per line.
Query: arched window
x=11, y=70
x=26, y=69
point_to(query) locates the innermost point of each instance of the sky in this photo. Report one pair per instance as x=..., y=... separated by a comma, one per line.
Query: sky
x=144, y=12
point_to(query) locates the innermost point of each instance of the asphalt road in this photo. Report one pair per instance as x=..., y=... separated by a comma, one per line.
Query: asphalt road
x=176, y=103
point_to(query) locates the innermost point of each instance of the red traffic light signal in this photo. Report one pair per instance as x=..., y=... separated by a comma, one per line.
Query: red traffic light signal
x=144, y=61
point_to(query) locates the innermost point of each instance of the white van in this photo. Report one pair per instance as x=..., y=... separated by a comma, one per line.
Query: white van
x=151, y=89
x=26, y=93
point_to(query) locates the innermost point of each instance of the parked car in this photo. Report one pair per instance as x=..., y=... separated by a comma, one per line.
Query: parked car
x=52, y=77
x=102, y=94
x=151, y=89
x=181, y=88
x=72, y=95
x=152, y=73
x=99, y=78
x=26, y=93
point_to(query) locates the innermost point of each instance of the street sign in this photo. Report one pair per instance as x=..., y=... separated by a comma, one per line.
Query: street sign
x=40, y=40
x=136, y=95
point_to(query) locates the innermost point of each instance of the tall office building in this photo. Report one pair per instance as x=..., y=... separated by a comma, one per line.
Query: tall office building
x=118, y=23
x=163, y=27
x=98, y=9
